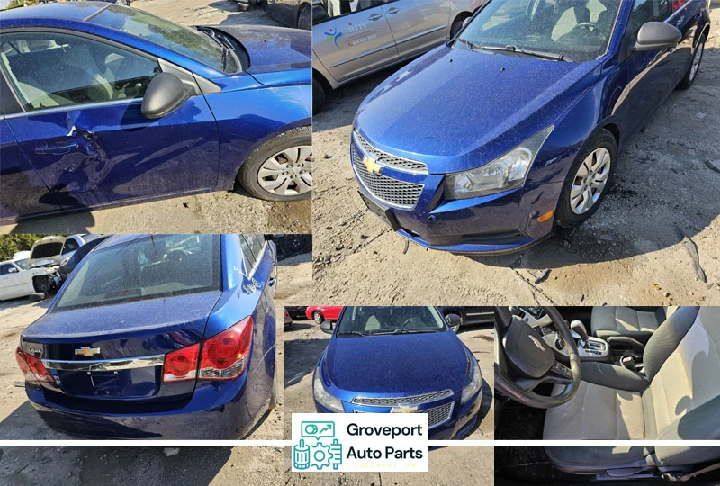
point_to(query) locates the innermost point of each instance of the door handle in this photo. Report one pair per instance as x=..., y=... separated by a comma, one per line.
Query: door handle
x=375, y=17
x=56, y=149
x=393, y=11
x=271, y=281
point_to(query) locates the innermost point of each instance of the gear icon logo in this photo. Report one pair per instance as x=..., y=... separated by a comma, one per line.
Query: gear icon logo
x=319, y=456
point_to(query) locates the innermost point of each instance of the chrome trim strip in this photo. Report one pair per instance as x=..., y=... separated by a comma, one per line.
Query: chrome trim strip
x=105, y=364
x=401, y=400
x=430, y=31
x=57, y=109
x=376, y=153
x=364, y=54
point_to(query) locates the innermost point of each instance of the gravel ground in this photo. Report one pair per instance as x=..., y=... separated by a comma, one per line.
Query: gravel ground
x=305, y=342
x=635, y=250
x=217, y=212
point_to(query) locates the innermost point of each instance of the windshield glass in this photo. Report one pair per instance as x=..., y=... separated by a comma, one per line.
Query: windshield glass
x=146, y=268
x=388, y=320
x=575, y=30
x=178, y=38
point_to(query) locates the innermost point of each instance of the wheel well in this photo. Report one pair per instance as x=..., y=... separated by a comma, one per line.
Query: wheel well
x=321, y=79
x=612, y=128
x=303, y=5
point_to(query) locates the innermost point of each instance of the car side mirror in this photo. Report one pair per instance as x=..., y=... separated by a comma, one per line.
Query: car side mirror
x=453, y=320
x=654, y=36
x=326, y=327
x=12, y=270
x=319, y=14
x=165, y=94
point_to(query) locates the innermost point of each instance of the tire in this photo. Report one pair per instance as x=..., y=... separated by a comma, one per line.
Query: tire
x=299, y=172
x=304, y=20
x=317, y=317
x=691, y=74
x=319, y=95
x=41, y=285
x=37, y=297
x=566, y=217
x=292, y=245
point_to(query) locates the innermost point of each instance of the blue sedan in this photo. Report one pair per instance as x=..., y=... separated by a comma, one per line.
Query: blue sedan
x=486, y=143
x=399, y=360
x=103, y=104
x=158, y=336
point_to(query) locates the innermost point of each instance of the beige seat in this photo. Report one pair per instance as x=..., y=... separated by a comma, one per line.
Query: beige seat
x=637, y=323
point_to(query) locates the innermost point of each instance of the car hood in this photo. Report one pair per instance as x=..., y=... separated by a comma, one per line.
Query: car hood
x=271, y=49
x=406, y=363
x=457, y=109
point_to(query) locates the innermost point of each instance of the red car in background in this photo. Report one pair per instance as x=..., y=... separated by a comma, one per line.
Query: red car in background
x=321, y=313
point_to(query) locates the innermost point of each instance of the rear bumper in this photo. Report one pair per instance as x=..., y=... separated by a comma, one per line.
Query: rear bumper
x=212, y=413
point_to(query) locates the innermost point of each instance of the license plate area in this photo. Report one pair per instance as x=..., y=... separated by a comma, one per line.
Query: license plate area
x=385, y=216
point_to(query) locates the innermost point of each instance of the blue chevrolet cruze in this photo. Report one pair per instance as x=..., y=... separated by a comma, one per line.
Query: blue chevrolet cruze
x=103, y=104
x=399, y=360
x=486, y=143
x=158, y=336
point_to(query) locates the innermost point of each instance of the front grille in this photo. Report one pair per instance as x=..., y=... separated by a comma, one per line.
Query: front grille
x=387, y=189
x=395, y=401
x=436, y=416
x=389, y=160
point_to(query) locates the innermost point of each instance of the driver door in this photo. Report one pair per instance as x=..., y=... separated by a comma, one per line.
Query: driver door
x=355, y=39
x=82, y=129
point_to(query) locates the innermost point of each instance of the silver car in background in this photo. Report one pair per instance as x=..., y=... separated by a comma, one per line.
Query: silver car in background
x=353, y=38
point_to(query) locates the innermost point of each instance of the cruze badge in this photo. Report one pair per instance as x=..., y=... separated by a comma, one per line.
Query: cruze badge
x=404, y=409
x=537, y=343
x=372, y=166
x=85, y=351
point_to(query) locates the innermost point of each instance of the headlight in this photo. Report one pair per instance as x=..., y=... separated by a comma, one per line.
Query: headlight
x=502, y=174
x=475, y=383
x=323, y=397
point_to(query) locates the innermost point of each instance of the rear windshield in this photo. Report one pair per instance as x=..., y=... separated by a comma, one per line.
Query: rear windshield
x=388, y=320
x=46, y=250
x=147, y=267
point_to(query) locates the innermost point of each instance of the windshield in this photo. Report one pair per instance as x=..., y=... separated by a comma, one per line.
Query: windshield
x=388, y=320
x=570, y=30
x=145, y=268
x=184, y=40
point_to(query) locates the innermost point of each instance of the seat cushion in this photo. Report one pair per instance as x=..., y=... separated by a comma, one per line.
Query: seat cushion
x=607, y=322
x=597, y=412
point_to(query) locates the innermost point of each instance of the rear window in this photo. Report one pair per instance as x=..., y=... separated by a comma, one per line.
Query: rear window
x=46, y=250
x=146, y=268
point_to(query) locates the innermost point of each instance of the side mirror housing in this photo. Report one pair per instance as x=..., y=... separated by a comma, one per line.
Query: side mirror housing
x=453, y=320
x=326, y=327
x=12, y=270
x=319, y=14
x=656, y=36
x=165, y=94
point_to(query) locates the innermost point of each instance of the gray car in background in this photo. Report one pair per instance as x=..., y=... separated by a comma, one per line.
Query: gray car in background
x=353, y=38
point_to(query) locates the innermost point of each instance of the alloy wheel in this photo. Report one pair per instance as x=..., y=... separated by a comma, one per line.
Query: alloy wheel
x=590, y=180
x=287, y=173
x=696, y=60
x=317, y=317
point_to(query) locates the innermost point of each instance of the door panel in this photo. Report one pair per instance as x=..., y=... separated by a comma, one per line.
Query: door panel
x=417, y=25
x=352, y=44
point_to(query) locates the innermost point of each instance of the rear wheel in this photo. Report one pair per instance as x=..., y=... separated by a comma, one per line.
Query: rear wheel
x=692, y=71
x=41, y=285
x=588, y=180
x=304, y=21
x=317, y=317
x=318, y=92
x=280, y=170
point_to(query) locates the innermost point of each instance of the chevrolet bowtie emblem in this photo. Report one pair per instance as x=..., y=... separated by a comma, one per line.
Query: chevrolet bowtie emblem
x=404, y=409
x=537, y=343
x=85, y=351
x=372, y=166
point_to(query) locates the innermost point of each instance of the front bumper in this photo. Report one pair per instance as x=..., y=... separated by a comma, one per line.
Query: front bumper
x=210, y=414
x=490, y=225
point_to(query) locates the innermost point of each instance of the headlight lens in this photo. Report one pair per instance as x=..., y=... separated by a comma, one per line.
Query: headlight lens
x=475, y=383
x=323, y=397
x=502, y=174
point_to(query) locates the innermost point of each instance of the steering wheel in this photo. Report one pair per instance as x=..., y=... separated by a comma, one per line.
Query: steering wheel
x=588, y=26
x=532, y=362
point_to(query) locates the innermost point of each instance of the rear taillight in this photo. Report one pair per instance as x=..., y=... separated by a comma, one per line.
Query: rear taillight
x=181, y=365
x=32, y=367
x=224, y=356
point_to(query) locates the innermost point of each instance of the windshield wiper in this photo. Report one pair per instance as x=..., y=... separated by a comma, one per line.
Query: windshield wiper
x=527, y=52
x=404, y=331
x=354, y=333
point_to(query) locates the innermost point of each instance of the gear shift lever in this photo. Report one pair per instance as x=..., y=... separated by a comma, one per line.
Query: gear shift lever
x=579, y=328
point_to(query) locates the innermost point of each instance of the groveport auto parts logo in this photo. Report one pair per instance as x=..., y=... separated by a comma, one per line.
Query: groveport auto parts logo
x=359, y=442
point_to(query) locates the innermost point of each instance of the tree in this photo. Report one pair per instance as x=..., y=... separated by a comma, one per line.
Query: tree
x=11, y=244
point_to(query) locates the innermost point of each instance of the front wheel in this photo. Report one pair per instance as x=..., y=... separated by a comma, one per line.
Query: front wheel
x=280, y=170
x=304, y=21
x=588, y=180
x=317, y=317
x=692, y=71
x=318, y=93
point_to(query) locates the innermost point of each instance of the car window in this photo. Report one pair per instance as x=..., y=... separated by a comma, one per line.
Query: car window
x=577, y=30
x=184, y=40
x=5, y=269
x=145, y=268
x=70, y=245
x=53, y=69
x=389, y=320
x=248, y=253
x=648, y=11
x=337, y=8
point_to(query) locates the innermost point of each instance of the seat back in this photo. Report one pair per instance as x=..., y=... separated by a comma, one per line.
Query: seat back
x=682, y=363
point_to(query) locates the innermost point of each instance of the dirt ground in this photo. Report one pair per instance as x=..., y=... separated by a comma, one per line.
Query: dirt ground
x=664, y=204
x=217, y=212
x=305, y=342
